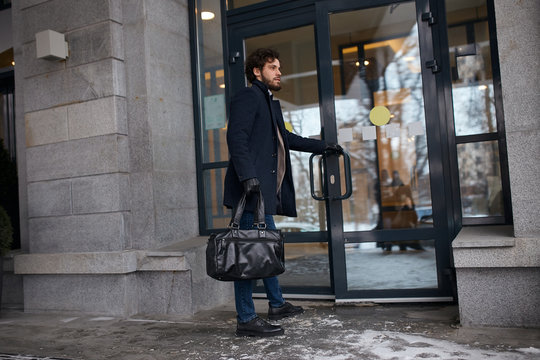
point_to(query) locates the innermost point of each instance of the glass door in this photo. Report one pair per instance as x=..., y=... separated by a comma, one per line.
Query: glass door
x=380, y=120
x=306, y=248
x=355, y=76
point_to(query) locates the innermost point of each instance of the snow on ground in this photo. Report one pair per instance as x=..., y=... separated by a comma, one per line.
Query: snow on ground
x=337, y=341
x=376, y=345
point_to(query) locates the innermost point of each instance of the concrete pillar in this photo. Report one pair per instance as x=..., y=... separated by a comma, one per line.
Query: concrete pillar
x=517, y=34
x=160, y=120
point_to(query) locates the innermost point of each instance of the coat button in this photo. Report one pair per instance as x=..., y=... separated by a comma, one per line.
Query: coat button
x=273, y=171
x=274, y=155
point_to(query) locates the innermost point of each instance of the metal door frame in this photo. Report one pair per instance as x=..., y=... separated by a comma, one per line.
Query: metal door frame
x=279, y=16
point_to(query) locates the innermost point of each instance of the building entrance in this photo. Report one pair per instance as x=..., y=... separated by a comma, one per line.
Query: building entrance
x=370, y=226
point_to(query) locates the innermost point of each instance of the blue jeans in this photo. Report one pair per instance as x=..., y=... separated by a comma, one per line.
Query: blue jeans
x=243, y=289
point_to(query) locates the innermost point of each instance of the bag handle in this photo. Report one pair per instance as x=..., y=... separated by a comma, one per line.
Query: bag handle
x=258, y=216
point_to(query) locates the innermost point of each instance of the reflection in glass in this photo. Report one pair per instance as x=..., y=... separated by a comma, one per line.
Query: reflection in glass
x=470, y=64
x=377, y=63
x=211, y=83
x=217, y=216
x=412, y=267
x=306, y=265
x=299, y=99
x=474, y=109
x=480, y=179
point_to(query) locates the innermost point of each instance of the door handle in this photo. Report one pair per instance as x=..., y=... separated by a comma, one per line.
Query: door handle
x=347, y=173
x=311, y=179
x=348, y=177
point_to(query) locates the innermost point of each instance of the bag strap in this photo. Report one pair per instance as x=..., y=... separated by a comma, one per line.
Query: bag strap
x=258, y=216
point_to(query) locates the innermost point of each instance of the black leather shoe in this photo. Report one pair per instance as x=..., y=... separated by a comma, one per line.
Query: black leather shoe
x=284, y=310
x=258, y=327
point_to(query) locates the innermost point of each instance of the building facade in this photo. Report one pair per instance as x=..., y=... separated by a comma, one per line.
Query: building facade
x=121, y=152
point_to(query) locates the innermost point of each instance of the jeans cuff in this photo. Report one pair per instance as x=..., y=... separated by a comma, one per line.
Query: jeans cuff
x=245, y=322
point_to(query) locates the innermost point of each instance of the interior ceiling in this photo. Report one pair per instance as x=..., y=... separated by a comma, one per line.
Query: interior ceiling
x=6, y=57
x=453, y=5
x=383, y=17
x=379, y=17
x=342, y=23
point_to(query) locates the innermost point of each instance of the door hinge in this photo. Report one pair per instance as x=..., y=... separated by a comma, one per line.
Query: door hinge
x=233, y=57
x=433, y=65
x=428, y=16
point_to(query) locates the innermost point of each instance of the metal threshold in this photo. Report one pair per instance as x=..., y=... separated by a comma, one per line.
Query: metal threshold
x=395, y=300
x=300, y=296
x=362, y=300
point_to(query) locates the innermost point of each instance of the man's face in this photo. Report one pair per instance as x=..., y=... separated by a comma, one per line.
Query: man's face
x=270, y=74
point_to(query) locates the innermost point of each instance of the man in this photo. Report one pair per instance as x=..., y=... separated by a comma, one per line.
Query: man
x=259, y=160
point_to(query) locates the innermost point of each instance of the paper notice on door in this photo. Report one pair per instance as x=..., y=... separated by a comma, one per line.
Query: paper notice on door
x=214, y=112
x=345, y=135
x=369, y=133
x=392, y=130
x=416, y=128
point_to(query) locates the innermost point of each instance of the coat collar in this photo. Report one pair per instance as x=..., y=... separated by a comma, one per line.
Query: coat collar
x=262, y=86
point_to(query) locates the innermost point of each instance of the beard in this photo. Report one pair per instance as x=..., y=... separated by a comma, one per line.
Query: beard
x=274, y=86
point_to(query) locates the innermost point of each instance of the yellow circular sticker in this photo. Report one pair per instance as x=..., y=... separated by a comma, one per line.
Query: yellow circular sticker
x=379, y=115
x=288, y=126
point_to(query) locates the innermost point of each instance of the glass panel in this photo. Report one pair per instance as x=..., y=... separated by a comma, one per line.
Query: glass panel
x=217, y=216
x=211, y=81
x=7, y=120
x=480, y=179
x=470, y=64
x=412, y=267
x=299, y=100
x=376, y=66
x=235, y=4
x=306, y=265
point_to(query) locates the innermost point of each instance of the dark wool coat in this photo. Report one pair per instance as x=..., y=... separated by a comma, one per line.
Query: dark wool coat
x=253, y=147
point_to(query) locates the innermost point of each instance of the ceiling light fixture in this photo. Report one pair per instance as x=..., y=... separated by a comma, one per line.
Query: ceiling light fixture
x=207, y=15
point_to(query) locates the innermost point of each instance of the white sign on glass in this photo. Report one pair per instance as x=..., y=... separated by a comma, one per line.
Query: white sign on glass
x=214, y=112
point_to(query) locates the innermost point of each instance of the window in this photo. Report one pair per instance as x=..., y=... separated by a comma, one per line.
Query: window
x=210, y=108
x=478, y=118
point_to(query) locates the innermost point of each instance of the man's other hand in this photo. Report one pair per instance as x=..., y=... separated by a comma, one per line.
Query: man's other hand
x=251, y=185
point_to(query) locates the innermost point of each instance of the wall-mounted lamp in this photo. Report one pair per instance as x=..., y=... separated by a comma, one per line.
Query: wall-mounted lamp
x=51, y=45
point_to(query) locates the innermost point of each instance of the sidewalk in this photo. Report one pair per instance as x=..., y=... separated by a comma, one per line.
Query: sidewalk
x=323, y=332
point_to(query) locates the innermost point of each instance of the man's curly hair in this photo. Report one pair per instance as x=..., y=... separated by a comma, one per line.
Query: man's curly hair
x=257, y=59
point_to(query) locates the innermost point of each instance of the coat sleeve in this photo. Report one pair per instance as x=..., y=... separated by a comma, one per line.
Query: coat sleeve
x=240, y=127
x=300, y=143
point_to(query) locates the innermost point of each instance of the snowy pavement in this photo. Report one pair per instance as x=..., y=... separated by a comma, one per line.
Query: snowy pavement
x=323, y=332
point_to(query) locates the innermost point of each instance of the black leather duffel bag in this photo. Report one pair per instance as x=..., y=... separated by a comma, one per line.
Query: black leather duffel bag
x=245, y=254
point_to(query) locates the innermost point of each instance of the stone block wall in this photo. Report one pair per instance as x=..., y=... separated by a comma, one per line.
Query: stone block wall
x=497, y=277
x=73, y=142
x=106, y=154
